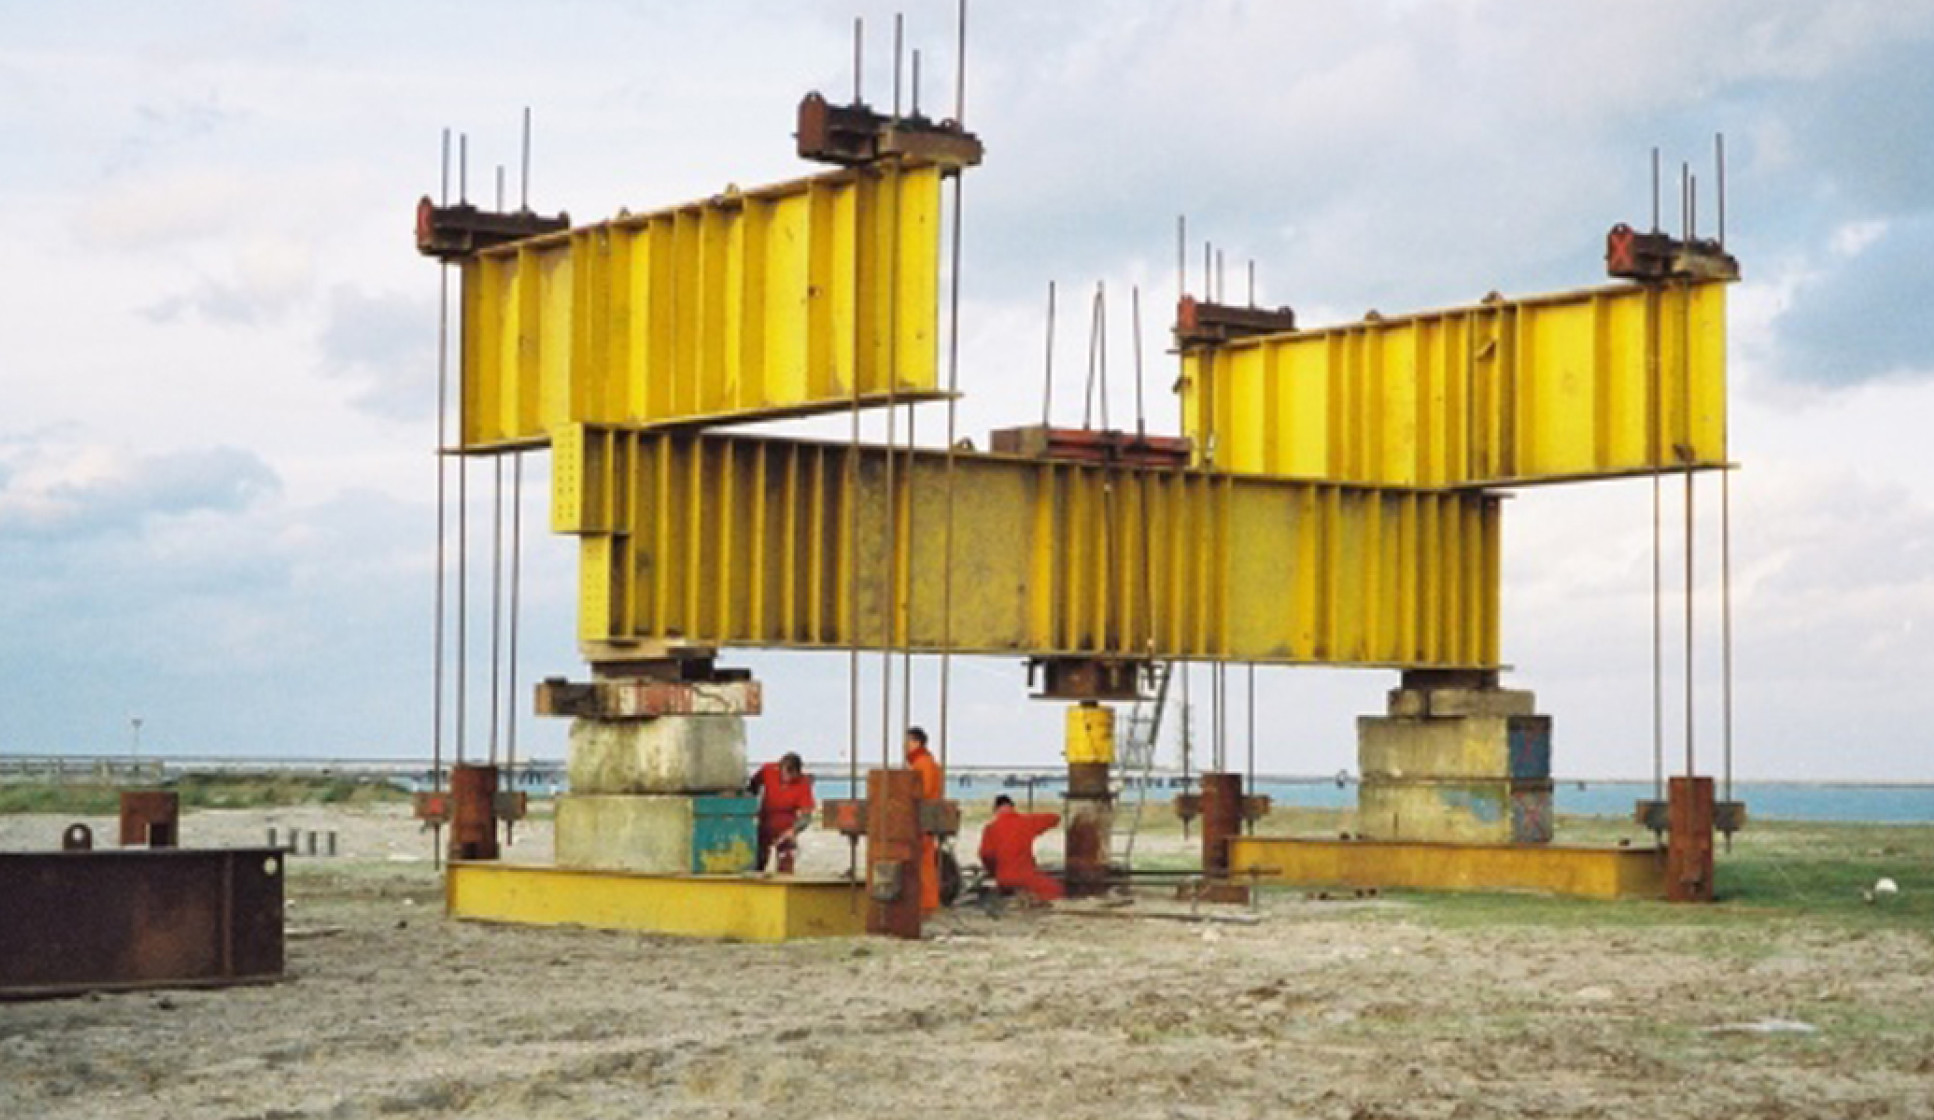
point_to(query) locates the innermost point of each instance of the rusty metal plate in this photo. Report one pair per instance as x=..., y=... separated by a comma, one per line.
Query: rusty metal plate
x=77, y=921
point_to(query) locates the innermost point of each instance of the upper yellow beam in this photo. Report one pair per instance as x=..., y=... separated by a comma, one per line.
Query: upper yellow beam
x=714, y=540
x=787, y=300
x=1616, y=380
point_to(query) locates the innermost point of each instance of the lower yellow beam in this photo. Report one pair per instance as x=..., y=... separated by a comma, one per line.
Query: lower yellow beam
x=1583, y=872
x=728, y=907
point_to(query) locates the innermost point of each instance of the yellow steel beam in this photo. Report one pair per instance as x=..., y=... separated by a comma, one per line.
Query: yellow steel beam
x=1583, y=872
x=742, y=908
x=780, y=301
x=1608, y=381
x=716, y=540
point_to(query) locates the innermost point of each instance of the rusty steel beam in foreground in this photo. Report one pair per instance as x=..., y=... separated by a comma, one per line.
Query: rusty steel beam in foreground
x=77, y=921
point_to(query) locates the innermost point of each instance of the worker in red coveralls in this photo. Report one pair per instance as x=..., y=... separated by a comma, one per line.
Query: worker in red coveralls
x=785, y=808
x=933, y=787
x=1007, y=850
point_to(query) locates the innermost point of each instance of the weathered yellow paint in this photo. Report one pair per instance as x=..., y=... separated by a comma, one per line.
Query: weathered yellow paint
x=1607, y=381
x=730, y=540
x=735, y=907
x=1091, y=733
x=786, y=300
x=1607, y=873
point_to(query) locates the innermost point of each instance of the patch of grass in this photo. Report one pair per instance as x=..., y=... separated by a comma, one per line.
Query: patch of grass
x=200, y=791
x=77, y=799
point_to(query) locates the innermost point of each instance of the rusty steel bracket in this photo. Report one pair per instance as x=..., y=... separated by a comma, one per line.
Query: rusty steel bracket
x=940, y=818
x=452, y=233
x=511, y=805
x=1201, y=323
x=1653, y=257
x=848, y=817
x=1188, y=806
x=855, y=135
x=432, y=807
x=1088, y=678
x=649, y=698
x=1728, y=817
x=1086, y=445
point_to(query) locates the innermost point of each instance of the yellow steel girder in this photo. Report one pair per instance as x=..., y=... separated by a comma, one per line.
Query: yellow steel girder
x=1417, y=865
x=716, y=540
x=732, y=906
x=1615, y=380
x=784, y=300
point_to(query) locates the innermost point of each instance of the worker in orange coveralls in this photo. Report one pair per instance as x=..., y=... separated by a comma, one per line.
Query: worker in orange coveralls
x=933, y=787
x=785, y=808
x=1007, y=850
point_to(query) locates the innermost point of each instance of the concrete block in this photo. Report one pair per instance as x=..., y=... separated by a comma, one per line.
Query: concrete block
x=658, y=833
x=1449, y=702
x=1470, y=747
x=1455, y=812
x=1408, y=703
x=675, y=754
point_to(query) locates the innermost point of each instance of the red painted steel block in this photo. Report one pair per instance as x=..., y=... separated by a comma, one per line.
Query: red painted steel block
x=150, y=818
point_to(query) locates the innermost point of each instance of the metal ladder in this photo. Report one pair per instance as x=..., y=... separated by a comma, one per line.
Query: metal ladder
x=1136, y=757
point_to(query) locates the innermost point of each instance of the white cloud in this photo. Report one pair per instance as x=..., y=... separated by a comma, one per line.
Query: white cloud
x=1853, y=238
x=159, y=210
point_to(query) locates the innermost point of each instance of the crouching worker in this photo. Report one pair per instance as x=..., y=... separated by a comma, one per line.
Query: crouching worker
x=785, y=809
x=1007, y=850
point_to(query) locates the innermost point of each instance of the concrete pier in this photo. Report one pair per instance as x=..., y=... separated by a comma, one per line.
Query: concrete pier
x=659, y=793
x=1455, y=760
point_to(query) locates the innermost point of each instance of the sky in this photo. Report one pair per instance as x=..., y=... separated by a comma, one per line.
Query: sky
x=219, y=370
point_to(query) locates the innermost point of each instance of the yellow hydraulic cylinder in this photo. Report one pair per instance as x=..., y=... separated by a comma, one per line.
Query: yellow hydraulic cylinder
x=1091, y=734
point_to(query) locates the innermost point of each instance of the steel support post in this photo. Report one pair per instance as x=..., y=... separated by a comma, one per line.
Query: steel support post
x=1688, y=843
x=1221, y=821
x=1090, y=750
x=1091, y=811
x=894, y=868
x=473, y=828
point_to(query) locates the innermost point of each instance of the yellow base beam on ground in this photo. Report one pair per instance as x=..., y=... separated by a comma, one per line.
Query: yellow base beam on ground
x=727, y=907
x=1546, y=869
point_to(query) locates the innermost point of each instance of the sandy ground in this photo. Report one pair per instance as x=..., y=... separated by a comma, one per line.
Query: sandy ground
x=1353, y=1010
